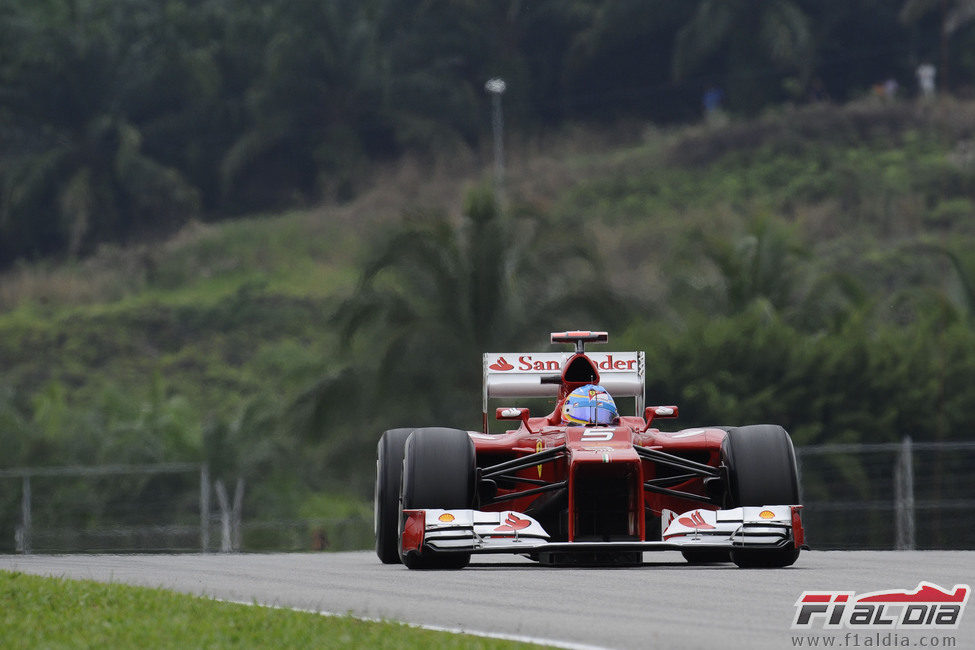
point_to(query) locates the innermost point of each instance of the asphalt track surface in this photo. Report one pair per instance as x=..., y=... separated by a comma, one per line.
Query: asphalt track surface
x=663, y=604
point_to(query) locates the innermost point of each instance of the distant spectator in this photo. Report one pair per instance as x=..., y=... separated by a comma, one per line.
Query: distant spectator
x=890, y=89
x=926, y=73
x=713, y=97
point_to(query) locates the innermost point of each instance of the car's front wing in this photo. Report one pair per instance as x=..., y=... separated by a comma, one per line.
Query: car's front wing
x=475, y=531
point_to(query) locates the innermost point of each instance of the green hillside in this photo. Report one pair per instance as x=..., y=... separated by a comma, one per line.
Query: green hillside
x=812, y=267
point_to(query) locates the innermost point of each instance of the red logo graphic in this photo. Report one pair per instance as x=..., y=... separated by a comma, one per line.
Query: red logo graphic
x=695, y=521
x=512, y=523
x=501, y=365
x=925, y=593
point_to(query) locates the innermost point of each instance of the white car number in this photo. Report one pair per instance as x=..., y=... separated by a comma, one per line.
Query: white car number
x=597, y=435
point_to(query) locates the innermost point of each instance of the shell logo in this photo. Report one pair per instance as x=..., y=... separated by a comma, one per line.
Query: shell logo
x=766, y=514
x=446, y=518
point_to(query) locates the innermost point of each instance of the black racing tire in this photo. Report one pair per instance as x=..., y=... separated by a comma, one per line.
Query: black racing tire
x=389, y=476
x=438, y=472
x=761, y=464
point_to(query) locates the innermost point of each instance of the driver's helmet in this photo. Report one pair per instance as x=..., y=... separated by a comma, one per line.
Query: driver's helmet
x=589, y=404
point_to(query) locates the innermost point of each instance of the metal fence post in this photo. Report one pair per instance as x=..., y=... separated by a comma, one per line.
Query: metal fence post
x=25, y=533
x=222, y=502
x=236, y=513
x=204, y=507
x=904, y=497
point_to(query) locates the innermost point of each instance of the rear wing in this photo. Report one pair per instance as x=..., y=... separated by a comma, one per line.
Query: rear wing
x=519, y=374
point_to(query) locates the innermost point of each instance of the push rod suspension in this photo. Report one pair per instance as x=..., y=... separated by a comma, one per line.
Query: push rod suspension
x=527, y=493
x=521, y=463
x=677, y=493
x=520, y=479
x=662, y=457
x=677, y=478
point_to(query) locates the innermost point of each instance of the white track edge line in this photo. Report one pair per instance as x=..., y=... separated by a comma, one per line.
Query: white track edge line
x=521, y=638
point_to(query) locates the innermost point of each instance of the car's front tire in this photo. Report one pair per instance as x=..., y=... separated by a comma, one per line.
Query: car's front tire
x=438, y=472
x=762, y=471
x=386, y=510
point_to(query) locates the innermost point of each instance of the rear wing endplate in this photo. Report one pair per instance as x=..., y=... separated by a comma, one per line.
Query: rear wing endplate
x=519, y=374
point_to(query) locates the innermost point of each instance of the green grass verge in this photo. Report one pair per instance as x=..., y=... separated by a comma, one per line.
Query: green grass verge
x=58, y=613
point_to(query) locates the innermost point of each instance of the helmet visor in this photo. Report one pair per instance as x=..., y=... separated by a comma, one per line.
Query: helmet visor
x=593, y=408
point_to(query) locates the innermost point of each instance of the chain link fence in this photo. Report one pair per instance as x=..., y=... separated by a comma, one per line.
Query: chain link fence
x=158, y=508
x=880, y=496
x=902, y=495
x=106, y=508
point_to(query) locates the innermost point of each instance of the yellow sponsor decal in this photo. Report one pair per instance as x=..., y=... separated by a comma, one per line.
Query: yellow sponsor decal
x=538, y=447
x=446, y=517
x=766, y=514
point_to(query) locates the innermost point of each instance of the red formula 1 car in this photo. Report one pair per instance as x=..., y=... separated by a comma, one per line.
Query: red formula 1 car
x=567, y=488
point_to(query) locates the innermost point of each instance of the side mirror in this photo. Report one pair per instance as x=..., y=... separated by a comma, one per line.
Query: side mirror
x=652, y=412
x=511, y=413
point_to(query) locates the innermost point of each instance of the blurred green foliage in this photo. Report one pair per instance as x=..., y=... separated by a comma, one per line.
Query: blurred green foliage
x=122, y=119
x=777, y=270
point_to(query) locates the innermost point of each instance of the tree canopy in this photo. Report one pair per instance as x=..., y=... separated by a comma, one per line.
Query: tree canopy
x=124, y=118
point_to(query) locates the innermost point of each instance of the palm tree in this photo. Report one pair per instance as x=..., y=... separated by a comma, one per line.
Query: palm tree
x=760, y=265
x=962, y=295
x=344, y=80
x=318, y=81
x=73, y=169
x=434, y=295
x=750, y=35
x=440, y=292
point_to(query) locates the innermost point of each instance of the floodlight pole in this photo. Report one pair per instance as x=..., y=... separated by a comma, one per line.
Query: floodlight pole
x=496, y=88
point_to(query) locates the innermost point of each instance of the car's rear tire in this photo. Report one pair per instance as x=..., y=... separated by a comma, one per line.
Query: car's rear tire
x=389, y=476
x=438, y=472
x=761, y=466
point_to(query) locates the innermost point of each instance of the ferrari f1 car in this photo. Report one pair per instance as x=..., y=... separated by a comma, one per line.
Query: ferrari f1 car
x=566, y=488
